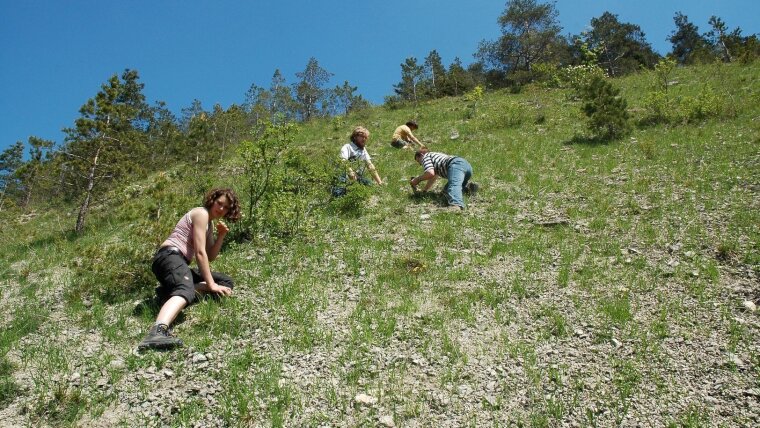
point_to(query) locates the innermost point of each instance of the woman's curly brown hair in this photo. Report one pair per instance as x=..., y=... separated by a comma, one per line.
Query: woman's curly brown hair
x=233, y=214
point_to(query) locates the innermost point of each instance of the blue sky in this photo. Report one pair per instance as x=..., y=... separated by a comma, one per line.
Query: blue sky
x=55, y=54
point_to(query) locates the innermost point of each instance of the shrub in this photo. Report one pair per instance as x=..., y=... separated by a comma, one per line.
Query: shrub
x=352, y=202
x=579, y=77
x=606, y=110
x=547, y=75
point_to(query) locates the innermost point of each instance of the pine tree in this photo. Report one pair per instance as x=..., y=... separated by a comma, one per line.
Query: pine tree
x=309, y=91
x=107, y=141
x=688, y=44
x=606, y=109
x=436, y=73
x=411, y=75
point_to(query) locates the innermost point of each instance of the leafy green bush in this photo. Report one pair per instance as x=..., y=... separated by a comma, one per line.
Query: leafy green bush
x=352, y=203
x=606, y=110
x=579, y=77
x=665, y=107
x=281, y=186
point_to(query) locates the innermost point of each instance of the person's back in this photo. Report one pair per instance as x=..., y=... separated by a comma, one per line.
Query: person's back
x=403, y=138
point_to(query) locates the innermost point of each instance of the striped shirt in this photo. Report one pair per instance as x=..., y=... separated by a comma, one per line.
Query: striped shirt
x=438, y=162
x=182, y=237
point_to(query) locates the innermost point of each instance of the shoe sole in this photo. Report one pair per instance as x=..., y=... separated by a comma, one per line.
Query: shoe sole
x=158, y=345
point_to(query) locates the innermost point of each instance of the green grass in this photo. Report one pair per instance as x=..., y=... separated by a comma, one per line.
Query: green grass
x=489, y=318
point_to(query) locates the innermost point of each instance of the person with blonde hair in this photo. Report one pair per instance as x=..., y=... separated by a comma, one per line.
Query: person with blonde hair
x=356, y=155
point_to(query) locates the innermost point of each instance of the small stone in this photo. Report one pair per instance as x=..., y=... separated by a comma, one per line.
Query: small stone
x=733, y=358
x=117, y=364
x=74, y=378
x=168, y=373
x=689, y=254
x=199, y=358
x=492, y=401
x=387, y=421
x=616, y=343
x=365, y=399
x=424, y=216
x=750, y=305
x=454, y=134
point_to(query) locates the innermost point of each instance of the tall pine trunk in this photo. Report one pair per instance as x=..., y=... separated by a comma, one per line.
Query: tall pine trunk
x=85, y=207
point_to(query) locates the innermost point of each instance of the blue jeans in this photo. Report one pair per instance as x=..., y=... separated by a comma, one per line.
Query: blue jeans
x=459, y=173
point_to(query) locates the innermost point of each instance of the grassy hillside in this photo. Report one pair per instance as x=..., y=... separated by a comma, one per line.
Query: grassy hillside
x=588, y=284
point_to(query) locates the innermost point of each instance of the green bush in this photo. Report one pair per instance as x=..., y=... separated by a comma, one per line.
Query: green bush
x=352, y=203
x=665, y=107
x=579, y=77
x=280, y=185
x=606, y=110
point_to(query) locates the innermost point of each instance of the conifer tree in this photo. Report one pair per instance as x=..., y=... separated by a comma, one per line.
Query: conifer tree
x=106, y=141
x=310, y=91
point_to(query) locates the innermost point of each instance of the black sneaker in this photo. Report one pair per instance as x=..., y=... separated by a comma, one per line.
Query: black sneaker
x=472, y=188
x=159, y=338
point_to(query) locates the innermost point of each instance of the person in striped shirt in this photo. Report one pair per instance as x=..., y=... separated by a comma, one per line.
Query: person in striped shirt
x=455, y=169
x=192, y=238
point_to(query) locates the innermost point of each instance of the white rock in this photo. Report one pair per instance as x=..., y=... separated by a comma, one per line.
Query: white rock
x=424, y=216
x=198, y=358
x=387, y=421
x=365, y=399
x=117, y=364
x=75, y=377
x=750, y=305
x=168, y=373
x=736, y=360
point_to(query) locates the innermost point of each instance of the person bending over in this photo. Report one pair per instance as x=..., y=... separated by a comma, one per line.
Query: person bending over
x=403, y=137
x=453, y=168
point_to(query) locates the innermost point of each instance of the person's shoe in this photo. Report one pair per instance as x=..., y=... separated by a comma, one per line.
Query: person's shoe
x=159, y=338
x=472, y=188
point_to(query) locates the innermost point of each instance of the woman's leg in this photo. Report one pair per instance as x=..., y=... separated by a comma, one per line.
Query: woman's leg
x=170, y=310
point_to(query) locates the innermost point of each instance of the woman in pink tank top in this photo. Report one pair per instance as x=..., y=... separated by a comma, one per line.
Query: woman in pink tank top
x=192, y=238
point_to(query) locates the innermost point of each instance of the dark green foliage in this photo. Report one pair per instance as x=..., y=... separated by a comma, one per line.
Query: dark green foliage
x=689, y=46
x=530, y=32
x=310, y=90
x=606, y=110
x=412, y=75
x=353, y=202
x=621, y=48
x=10, y=161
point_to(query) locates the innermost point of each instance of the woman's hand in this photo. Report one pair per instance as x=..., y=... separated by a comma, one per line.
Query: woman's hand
x=221, y=228
x=221, y=290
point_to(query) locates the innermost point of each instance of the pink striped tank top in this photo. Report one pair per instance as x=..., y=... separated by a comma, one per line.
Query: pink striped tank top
x=182, y=237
